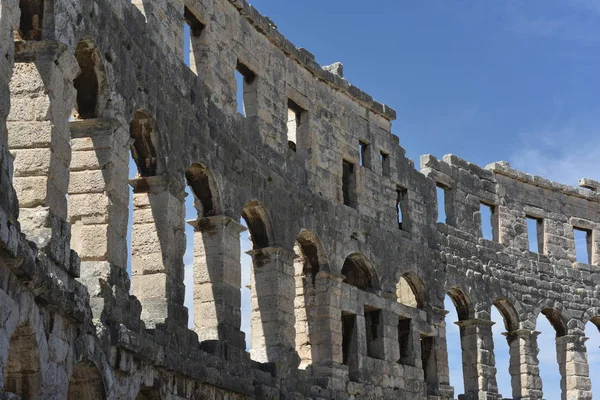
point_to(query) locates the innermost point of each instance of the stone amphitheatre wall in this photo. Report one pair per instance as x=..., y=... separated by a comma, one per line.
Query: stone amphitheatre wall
x=346, y=301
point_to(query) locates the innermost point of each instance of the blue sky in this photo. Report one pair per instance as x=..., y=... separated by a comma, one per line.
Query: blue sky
x=487, y=81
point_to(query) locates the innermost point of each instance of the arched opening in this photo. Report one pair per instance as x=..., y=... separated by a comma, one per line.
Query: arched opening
x=551, y=325
x=359, y=272
x=86, y=383
x=89, y=83
x=461, y=311
x=307, y=264
x=143, y=132
x=32, y=18
x=592, y=331
x=22, y=373
x=410, y=291
x=506, y=319
x=203, y=185
x=258, y=236
x=258, y=225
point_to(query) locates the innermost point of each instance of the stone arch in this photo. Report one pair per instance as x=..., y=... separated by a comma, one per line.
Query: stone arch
x=509, y=314
x=259, y=225
x=309, y=259
x=410, y=290
x=462, y=302
x=90, y=84
x=204, y=187
x=556, y=319
x=32, y=20
x=359, y=272
x=86, y=382
x=22, y=373
x=143, y=133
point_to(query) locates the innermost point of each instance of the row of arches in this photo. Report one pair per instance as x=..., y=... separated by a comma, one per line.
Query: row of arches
x=23, y=375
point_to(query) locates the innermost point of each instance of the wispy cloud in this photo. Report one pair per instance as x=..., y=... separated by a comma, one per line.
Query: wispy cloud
x=564, y=154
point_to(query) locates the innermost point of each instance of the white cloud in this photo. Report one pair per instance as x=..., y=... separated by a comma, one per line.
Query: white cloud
x=564, y=155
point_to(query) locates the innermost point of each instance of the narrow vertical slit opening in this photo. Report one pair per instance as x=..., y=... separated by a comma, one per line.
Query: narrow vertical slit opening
x=583, y=245
x=535, y=234
x=349, y=184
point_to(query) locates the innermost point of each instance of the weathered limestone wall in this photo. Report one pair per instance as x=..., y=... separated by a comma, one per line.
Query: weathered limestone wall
x=346, y=302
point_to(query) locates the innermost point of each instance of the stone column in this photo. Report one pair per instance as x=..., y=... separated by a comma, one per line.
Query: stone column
x=158, y=245
x=574, y=368
x=98, y=192
x=217, y=280
x=479, y=370
x=524, y=365
x=437, y=374
x=325, y=327
x=42, y=95
x=273, y=292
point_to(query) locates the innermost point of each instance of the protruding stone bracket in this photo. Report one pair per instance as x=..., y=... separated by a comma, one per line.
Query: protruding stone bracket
x=591, y=184
x=208, y=224
x=158, y=184
x=88, y=128
x=267, y=254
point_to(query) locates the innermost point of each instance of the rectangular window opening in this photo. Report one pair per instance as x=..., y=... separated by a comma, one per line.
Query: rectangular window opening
x=349, y=183
x=364, y=154
x=441, y=203
x=374, y=333
x=349, y=348
x=583, y=245
x=192, y=39
x=489, y=223
x=246, y=93
x=429, y=363
x=401, y=205
x=535, y=234
x=385, y=164
x=406, y=353
x=294, y=124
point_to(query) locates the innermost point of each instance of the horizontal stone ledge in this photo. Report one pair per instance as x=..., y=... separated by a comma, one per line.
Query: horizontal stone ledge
x=87, y=128
x=45, y=50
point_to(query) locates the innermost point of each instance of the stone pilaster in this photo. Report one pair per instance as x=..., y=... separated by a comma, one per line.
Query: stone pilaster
x=524, y=365
x=574, y=368
x=42, y=95
x=273, y=292
x=479, y=369
x=158, y=246
x=437, y=372
x=217, y=280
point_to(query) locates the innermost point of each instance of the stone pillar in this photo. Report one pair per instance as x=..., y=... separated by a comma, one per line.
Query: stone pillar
x=42, y=95
x=574, y=368
x=524, y=365
x=98, y=192
x=217, y=280
x=326, y=339
x=273, y=292
x=437, y=374
x=158, y=245
x=479, y=370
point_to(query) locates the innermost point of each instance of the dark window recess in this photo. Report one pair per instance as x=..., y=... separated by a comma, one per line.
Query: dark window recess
x=429, y=363
x=364, y=153
x=401, y=207
x=349, y=348
x=406, y=354
x=385, y=164
x=32, y=15
x=374, y=333
x=535, y=234
x=349, y=184
x=86, y=83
